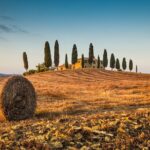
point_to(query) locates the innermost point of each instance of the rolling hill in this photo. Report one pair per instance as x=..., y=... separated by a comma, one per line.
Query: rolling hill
x=83, y=109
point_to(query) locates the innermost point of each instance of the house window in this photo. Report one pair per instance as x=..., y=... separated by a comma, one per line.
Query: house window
x=93, y=62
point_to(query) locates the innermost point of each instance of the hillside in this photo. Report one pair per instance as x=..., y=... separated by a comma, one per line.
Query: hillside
x=88, y=108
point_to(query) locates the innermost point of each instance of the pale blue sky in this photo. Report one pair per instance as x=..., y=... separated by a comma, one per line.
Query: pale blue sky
x=120, y=26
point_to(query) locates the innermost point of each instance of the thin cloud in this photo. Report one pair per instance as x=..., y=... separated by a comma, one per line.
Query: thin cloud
x=12, y=29
x=5, y=28
x=6, y=18
x=18, y=29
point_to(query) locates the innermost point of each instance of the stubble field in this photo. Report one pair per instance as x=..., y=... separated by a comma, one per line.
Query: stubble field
x=84, y=109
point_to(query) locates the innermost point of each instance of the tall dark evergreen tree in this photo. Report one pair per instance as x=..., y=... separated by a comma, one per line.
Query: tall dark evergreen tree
x=56, y=53
x=130, y=65
x=117, y=64
x=25, y=61
x=105, y=59
x=91, y=54
x=98, y=62
x=112, y=61
x=124, y=64
x=136, y=69
x=47, y=58
x=66, y=62
x=82, y=61
x=74, y=54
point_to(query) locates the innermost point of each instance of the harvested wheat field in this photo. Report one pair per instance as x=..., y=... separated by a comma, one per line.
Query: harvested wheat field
x=84, y=109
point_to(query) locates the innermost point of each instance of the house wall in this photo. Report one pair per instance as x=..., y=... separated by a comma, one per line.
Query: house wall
x=78, y=65
x=93, y=65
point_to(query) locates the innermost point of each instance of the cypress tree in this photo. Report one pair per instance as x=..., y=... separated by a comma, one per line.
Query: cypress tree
x=98, y=62
x=56, y=53
x=124, y=64
x=130, y=65
x=105, y=59
x=91, y=54
x=136, y=69
x=117, y=64
x=82, y=60
x=47, y=58
x=112, y=61
x=25, y=61
x=74, y=54
x=66, y=62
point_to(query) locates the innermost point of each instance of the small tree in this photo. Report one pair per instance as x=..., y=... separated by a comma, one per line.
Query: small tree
x=56, y=53
x=47, y=58
x=38, y=68
x=98, y=62
x=25, y=61
x=117, y=64
x=66, y=62
x=91, y=54
x=105, y=59
x=82, y=61
x=130, y=65
x=124, y=64
x=112, y=61
x=136, y=69
x=74, y=54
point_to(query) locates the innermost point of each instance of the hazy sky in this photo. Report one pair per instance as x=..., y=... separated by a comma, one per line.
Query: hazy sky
x=120, y=26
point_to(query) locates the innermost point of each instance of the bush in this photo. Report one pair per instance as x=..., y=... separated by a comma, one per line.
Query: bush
x=41, y=68
x=32, y=71
x=119, y=69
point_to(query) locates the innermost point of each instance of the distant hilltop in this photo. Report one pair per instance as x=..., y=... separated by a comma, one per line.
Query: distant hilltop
x=5, y=75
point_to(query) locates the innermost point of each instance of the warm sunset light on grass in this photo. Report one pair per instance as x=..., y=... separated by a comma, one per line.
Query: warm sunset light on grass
x=82, y=105
x=74, y=74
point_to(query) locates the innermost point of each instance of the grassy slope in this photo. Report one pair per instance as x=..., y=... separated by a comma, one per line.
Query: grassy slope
x=85, y=108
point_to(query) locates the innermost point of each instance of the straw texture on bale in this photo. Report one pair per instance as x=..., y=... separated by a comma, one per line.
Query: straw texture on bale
x=18, y=99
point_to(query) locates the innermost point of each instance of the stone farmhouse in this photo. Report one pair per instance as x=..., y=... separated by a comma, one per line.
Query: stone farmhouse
x=78, y=64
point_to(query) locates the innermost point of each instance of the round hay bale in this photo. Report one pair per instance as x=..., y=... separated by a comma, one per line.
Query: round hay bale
x=18, y=99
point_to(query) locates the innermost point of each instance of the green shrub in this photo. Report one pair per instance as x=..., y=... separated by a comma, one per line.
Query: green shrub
x=119, y=69
x=41, y=68
x=32, y=71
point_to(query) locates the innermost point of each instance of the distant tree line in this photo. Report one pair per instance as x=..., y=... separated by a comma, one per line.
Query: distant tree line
x=114, y=62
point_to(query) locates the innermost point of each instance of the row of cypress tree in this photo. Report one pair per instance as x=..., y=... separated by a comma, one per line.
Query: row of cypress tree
x=114, y=63
x=47, y=56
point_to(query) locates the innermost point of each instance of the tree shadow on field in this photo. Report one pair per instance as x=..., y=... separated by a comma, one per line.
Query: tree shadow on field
x=51, y=97
x=70, y=111
x=80, y=110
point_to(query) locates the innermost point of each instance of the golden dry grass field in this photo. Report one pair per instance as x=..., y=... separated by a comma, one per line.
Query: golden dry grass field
x=84, y=109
